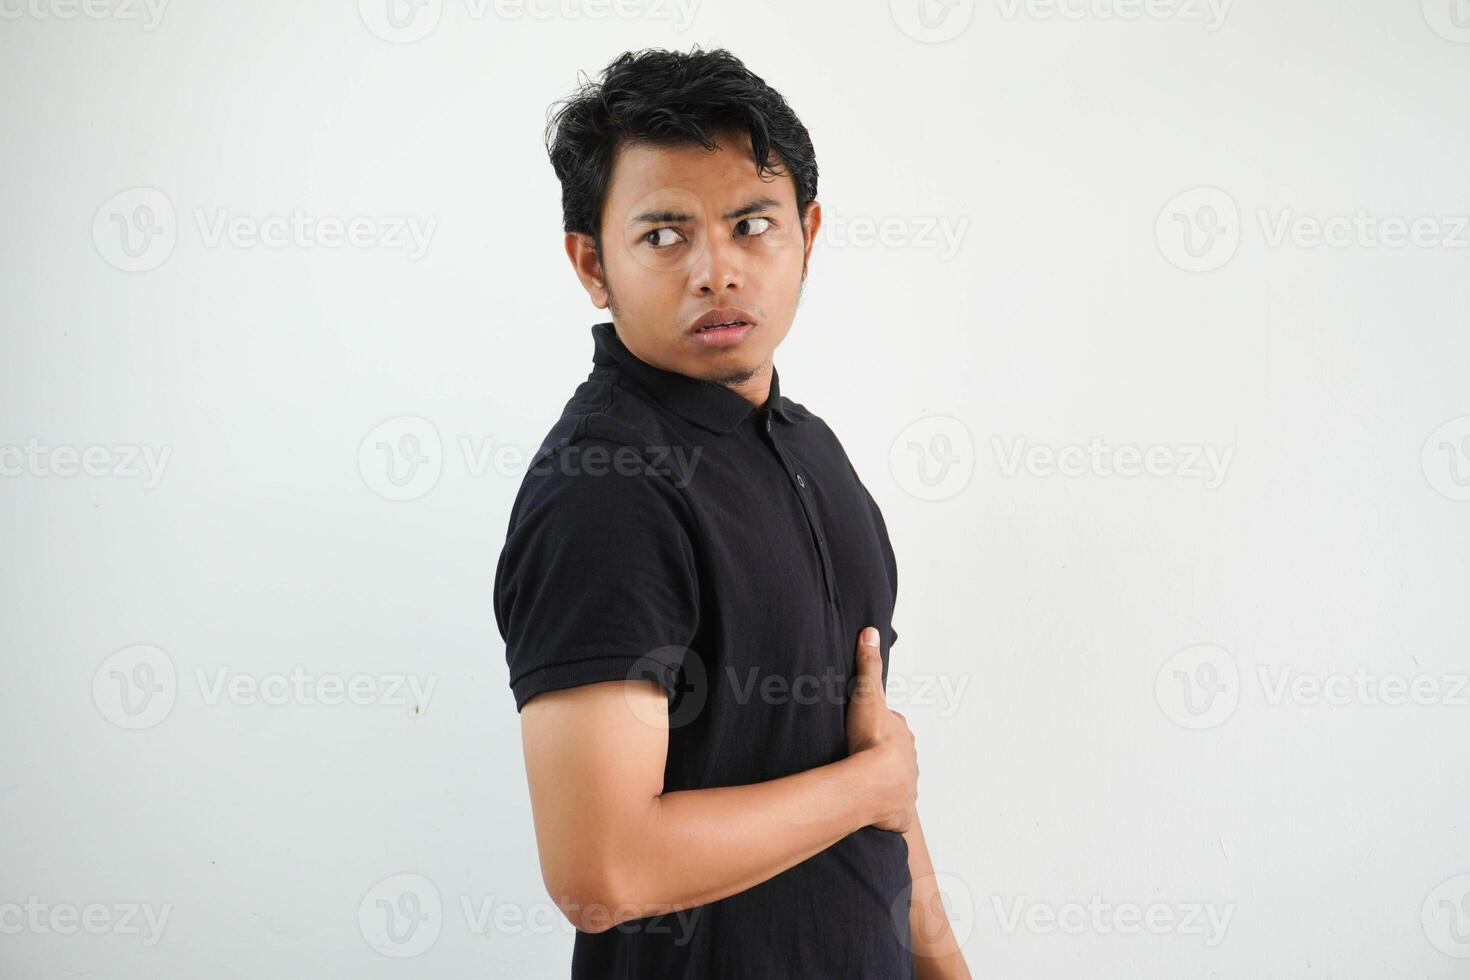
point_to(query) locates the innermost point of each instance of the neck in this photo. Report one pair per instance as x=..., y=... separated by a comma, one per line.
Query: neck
x=754, y=386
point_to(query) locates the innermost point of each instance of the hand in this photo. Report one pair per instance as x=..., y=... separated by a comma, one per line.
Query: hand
x=877, y=733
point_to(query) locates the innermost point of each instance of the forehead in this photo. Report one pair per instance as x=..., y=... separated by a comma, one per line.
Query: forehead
x=644, y=173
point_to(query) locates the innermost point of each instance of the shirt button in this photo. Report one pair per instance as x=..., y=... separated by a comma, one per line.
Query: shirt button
x=768, y=423
x=799, y=481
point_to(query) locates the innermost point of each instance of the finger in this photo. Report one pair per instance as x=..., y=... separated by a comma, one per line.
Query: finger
x=869, y=685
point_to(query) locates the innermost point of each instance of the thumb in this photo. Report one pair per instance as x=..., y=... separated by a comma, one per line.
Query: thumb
x=869, y=686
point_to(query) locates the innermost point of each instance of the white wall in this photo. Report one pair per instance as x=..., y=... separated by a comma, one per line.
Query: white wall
x=1069, y=764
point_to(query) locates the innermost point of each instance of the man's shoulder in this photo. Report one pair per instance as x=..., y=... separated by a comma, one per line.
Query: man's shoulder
x=798, y=412
x=822, y=440
x=814, y=429
x=609, y=453
x=604, y=412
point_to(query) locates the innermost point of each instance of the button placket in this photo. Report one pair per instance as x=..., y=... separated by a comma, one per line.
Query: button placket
x=812, y=524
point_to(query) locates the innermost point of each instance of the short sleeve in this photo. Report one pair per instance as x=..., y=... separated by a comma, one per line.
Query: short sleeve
x=597, y=580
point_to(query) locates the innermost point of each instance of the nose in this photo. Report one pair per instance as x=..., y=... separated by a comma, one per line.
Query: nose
x=721, y=266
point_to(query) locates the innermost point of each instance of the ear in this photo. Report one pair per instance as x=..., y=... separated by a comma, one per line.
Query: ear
x=809, y=226
x=589, y=270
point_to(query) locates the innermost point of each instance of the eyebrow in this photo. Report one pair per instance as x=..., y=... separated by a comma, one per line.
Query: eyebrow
x=677, y=217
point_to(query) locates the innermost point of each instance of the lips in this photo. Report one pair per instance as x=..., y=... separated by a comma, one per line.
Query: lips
x=723, y=317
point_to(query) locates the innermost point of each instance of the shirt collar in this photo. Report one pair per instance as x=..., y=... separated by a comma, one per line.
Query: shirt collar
x=704, y=403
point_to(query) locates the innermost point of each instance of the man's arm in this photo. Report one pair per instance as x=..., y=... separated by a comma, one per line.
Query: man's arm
x=937, y=955
x=614, y=847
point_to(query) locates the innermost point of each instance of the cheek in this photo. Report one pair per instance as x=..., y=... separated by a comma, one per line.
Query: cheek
x=780, y=256
x=783, y=267
x=635, y=283
x=782, y=240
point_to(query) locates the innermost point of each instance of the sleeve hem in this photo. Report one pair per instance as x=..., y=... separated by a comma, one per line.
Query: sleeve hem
x=591, y=670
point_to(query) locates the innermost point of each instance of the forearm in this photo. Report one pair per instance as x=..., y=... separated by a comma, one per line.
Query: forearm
x=699, y=846
x=937, y=955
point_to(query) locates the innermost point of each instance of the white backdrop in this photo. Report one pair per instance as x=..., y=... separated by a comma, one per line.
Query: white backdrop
x=1144, y=321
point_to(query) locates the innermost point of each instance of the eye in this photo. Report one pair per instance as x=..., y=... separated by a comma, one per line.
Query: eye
x=660, y=231
x=763, y=228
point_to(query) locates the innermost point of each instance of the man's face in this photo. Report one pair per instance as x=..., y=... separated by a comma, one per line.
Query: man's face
x=685, y=231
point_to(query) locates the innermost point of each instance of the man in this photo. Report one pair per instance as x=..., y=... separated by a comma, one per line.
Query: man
x=696, y=589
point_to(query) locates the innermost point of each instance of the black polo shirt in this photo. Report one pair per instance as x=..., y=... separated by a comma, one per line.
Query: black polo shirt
x=666, y=528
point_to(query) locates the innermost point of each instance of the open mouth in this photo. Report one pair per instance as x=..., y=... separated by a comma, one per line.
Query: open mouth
x=721, y=326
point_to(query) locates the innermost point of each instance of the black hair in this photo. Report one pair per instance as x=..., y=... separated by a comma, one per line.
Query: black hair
x=666, y=98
